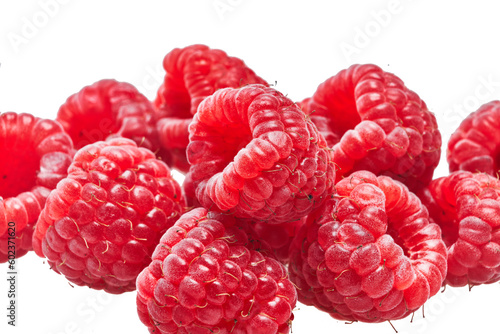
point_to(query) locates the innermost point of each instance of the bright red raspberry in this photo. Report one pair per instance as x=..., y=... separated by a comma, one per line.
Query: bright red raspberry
x=369, y=253
x=193, y=73
x=35, y=154
x=255, y=154
x=209, y=276
x=467, y=208
x=101, y=224
x=374, y=122
x=174, y=137
x=475, y=145
x=109, y=107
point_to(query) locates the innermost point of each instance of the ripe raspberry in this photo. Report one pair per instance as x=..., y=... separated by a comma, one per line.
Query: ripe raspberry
x=190, y=192
x=374, y=122
x=253, y=153
x=101, y=224
x=174, y=138
x=109, y=107
x=35, y=155
x=193, y=73
x=209, y=276
x=369, y=253
x=475, y=145
x=467, y=208
x=278, y=237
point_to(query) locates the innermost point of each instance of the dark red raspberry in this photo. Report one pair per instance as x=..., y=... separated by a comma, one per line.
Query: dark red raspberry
x=109, y=107
x=277, y=236
x=475, y=145
x=209, y=276
x=369, y=253
x=35, y=154
x=467, y=208
x=374, y=122
x=190, y=192
x=255, y=154
x=101, y=224
x=193, y=73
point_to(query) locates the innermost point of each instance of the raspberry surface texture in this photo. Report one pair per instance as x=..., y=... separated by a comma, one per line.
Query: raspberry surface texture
x=109, y=107
x=475, y=144
x=374, y=122
x=192, y=74
x=254, y=154
x=369, y=253
x=101, y=224
x=173, y=135
x=209, y=276
x=35, y=154
x=278, y=237
x=467, y=208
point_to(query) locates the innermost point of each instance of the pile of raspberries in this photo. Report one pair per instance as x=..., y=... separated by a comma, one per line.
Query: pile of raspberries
x=329, y=201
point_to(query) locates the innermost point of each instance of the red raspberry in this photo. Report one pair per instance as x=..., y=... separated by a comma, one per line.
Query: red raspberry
x=374, y=122
x=190, y=192
x=35, y=155
x=370, y=253
x=111, y=107
x=253, y=153
x=467, y=208
x=101, y=224
x=278, y=237
x=193, y=73
x=475, y=145
x=174, y=138
x=209, y=276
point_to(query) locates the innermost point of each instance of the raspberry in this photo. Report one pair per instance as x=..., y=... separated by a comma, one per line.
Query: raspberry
x=193, y=73
x=35, y=155
x=467, y=208
x=374, y=122
x=101, y=224
x=109, y=107
x=208, y=275
x=189, y=192
x=278, y=237
x=369, y=253
x=253, y=153
x=174, y=138
x=475, y=145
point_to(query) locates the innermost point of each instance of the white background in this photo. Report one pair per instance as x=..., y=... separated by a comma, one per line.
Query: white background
x=447, y=52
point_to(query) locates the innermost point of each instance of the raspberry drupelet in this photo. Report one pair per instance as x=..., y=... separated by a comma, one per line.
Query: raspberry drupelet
x=101, y=224
x=467, y=208
x=374, y=122
x=369, y=253
x=35, y=155
x=208, y=275
x=193, y=73
x=254, y=154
